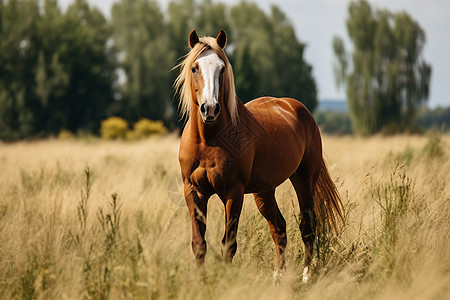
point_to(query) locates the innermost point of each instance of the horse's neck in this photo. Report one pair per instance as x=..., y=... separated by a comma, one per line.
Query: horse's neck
x=208, y=133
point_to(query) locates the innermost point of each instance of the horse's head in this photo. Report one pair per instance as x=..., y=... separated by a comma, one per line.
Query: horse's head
x=206, y=79
x=207, y=73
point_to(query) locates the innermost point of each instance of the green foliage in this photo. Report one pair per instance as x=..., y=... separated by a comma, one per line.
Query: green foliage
x=113, y=128
x=70, y=69
x=56, y=70
x=386, y=76
x=140, y=32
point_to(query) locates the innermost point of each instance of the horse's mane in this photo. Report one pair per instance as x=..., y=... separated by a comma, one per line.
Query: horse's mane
x=184, y=83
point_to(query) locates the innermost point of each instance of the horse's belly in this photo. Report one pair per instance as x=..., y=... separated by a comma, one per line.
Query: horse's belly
x=259, y=186
x=272, y=166
x=268, y=180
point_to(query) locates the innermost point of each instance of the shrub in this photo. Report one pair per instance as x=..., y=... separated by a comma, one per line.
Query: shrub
x=113, y=128
x=145, y=128
x=394, y=198
x=66, y=135
x=434, y=147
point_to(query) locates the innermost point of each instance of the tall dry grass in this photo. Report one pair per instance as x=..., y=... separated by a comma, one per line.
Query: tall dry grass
x=104, y=220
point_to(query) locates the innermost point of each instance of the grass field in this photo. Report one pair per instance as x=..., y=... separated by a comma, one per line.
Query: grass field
x=104, y=220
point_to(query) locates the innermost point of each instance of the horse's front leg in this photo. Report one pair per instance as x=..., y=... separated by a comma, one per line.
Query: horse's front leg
x=233, y=207
x=197, y=205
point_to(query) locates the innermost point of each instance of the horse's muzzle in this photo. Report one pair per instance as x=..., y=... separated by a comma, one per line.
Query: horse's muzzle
x=209, y=112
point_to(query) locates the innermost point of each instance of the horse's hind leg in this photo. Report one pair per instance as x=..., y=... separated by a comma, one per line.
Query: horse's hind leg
x=268, y=207
x=302, y=188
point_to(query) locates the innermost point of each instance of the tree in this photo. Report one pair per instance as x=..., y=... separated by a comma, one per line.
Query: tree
x=386, y=77
x=140, y=33
x=268, y=57
x=90, y=61
x=17, y=54
x=247, y=79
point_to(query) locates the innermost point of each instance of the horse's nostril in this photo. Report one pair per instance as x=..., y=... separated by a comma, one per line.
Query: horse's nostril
x=217, y=109
x=203, y=109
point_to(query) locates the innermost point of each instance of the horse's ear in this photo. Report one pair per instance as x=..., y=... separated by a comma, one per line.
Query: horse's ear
x=221, y=39
x=193, y=38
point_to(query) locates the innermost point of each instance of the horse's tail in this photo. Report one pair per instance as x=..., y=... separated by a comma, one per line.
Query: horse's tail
x=328, y=204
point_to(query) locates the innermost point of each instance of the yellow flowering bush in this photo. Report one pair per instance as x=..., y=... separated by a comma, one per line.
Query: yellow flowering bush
x=66, y=135
x=114, y=128
x=145, y=128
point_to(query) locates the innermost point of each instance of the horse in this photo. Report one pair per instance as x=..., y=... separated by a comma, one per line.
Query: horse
x=231, y=149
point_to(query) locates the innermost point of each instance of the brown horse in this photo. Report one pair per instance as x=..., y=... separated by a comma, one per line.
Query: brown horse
x=230, y=149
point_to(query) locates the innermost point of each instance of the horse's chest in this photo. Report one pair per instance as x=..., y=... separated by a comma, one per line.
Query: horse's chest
x=211, y=174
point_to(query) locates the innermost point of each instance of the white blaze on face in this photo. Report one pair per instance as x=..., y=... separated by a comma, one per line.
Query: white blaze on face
x=211, y=66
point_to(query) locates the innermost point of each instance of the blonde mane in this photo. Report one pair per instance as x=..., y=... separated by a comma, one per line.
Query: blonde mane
x=184, y=83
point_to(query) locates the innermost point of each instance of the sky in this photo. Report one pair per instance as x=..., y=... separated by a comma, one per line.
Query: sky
x=316, y=22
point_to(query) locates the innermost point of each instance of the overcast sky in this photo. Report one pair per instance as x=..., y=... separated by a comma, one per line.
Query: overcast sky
x=317, y=21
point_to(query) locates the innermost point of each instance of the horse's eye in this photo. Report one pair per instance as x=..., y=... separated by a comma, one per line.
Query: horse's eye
x=222, y=70
x=193, y=70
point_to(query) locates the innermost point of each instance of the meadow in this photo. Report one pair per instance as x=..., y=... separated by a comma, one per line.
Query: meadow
x=92, y=219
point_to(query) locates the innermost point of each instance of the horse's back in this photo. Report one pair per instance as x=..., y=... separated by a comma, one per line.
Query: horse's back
x=276, y=113
x=267, y=102
x=291, y=110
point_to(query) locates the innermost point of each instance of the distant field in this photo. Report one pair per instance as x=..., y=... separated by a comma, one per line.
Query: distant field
x=104, y=220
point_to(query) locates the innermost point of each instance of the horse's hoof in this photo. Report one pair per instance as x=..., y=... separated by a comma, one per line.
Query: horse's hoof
x=277, y=276
x=305, y=275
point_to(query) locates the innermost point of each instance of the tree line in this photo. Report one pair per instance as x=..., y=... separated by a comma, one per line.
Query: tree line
x=427, y=119
x=71, y=69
